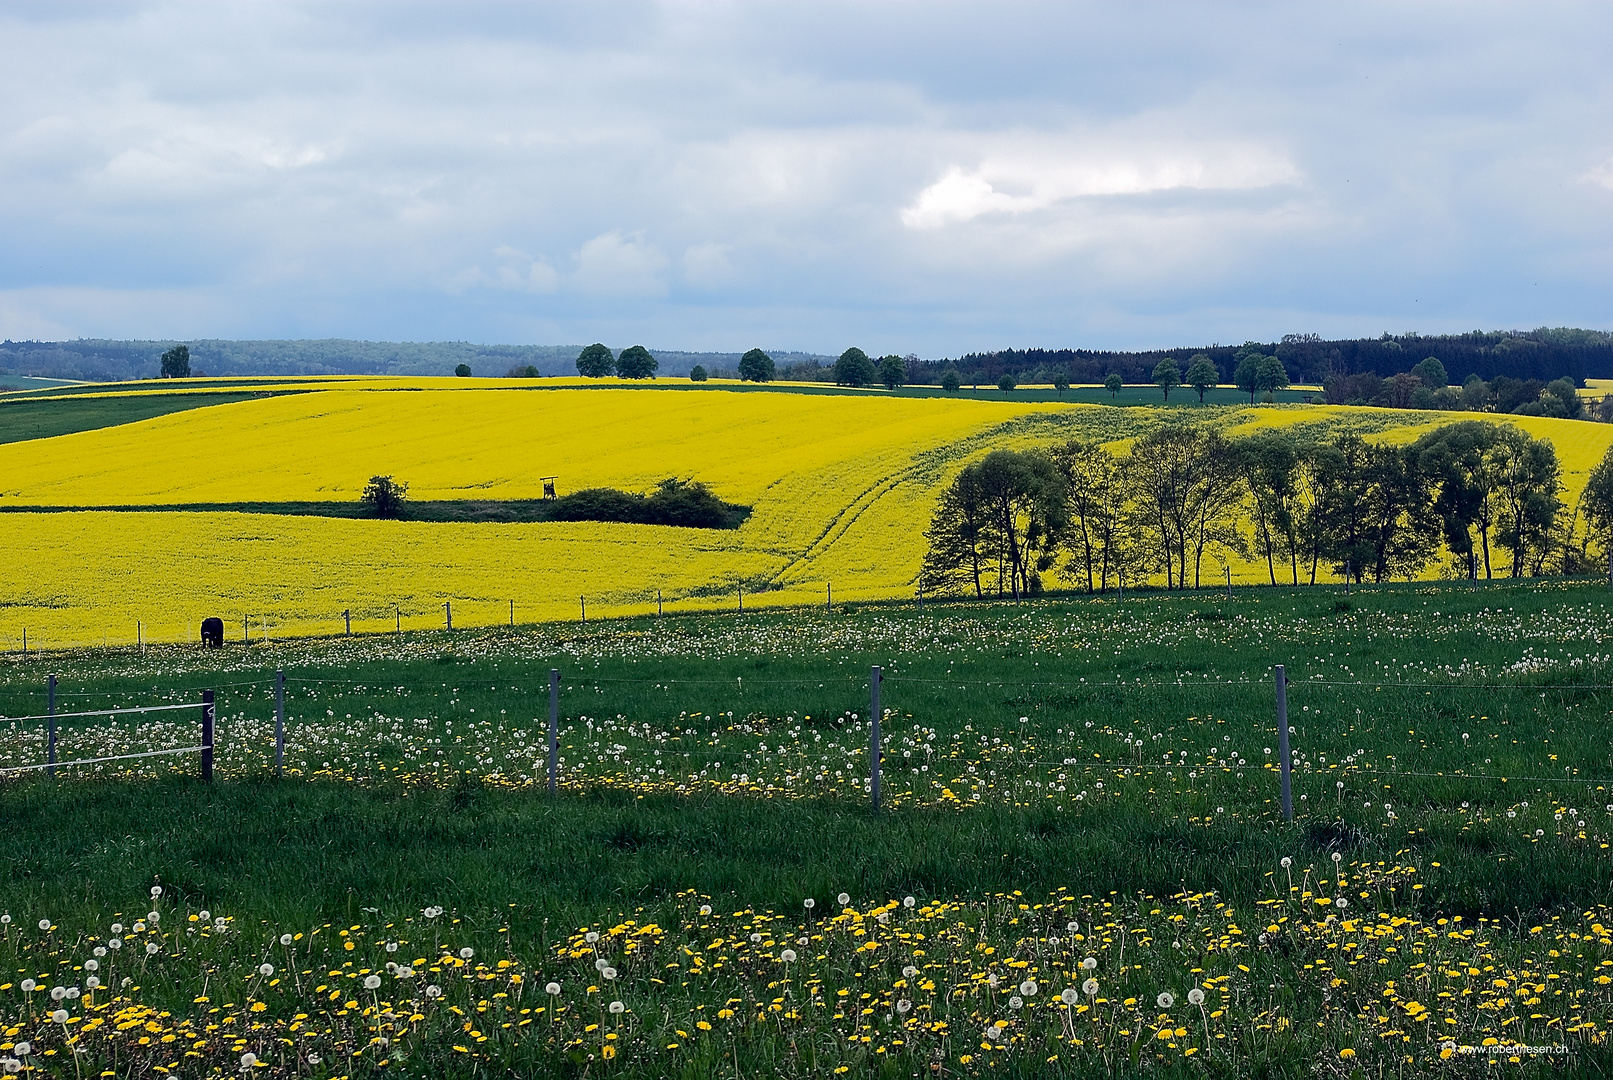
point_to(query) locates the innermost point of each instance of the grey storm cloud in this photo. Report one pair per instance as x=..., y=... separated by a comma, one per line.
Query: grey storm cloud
x=924, y=177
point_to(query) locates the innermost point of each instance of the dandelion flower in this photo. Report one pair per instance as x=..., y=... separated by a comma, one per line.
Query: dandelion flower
x=1165, y=1000
x=372, y=982
x=1090, y=987
x=553, y=989
x=1072, y=926
x=5, y=920
x=1069, y=997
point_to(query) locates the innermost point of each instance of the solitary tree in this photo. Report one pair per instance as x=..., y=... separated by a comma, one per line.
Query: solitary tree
x=1006, y=383
x=697, y=374
x=385, y=496
x=892, y=371
x=1246, y=376
x=1061, y=381
x=1201, y=375
x=176, y=362
x=462, y=370
x=1166, y=375
x=1432, y=373
x=595, y=362
x=756, y=366
x=636, y=363
x=1112, y=383
x=854, y=368
x=949, y=381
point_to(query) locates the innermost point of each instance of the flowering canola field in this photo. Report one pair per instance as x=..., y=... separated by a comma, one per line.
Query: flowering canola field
x=842, y=487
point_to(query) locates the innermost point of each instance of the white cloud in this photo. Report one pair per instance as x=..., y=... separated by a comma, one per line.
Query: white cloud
x=1034, y=178
x=708, y=266
x=612, y=264
x=515, y=271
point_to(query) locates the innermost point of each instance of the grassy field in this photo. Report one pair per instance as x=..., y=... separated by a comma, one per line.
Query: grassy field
x=843, y=484
x=1062, y=780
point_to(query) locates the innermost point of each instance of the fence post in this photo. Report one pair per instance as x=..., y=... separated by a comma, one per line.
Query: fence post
x=512, y=612
x=554, y=726
x=207, y=735
x=50, y=711
x=1229, y=582
x=742, y=599
x=828, y=605
x=140, y=635
x=873, y=736
x=246, y=629
x=1346, y=577
x=583, y=600
x=657, y=603
x=397, y=619
x=347, y=618
x=279, y=723
x=1122, y=575
x=448, y=612
x=1282, y=743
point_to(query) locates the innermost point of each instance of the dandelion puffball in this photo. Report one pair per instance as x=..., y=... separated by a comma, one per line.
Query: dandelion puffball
x=248, y=1060
x=908, y=901
x=1028, y=988
x=609, y=973
x=788, y=956
x=1089, y=964
x=435, y=991
x=809, y=903
x=44, y=924
x=372, y=982
x=592, y=936
x=1069, y=997
x=1165, y=1000
x=151, y=948
x=1286, y=862
x=909, y=971
x=1338, y=857
x=28, y=986
x=265, y=970
x=153, y=917
x=601, y=964
x=466, y=953
x=617, y=1008
x=23, y=1049
x=903, y=1007
x=705, y=909
x=285, y=939
x=204, y=915
x=92, y=965
x=156, y=891
x=843, y=899
x=59, y=1016
x=1090, y=987
x=553, y=989
x=1342, y=903
x=58, y=992
x=1195, y=996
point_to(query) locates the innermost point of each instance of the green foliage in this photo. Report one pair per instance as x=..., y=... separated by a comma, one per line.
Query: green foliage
x=892, y=371
x=697, y=374
x=526, y=371
x=176, y=362
x=854, y=368
x=1112, y=383
x=1167, y=375
x=756, y=366
x=595, y=362
x=635, y=362
x=1246, y=376
x=385, y=496
x=1061, y=382
x=1432, y=373
x=1006, y=383
x=1201, y=375
x=949, y=381
x=684, y=503
x=462, y=371
x=997, y=525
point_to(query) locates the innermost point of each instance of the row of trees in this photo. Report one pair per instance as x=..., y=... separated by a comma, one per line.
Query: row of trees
x=597, y=362
x=1482, y=496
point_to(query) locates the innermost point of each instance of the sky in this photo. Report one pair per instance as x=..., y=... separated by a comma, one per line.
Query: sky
x=925, y=178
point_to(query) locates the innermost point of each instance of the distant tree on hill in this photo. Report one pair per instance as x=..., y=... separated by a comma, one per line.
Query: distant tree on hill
x=527, y=371
x=1432, y=373
x=1006, y=383
x=385, y=496
x=463, y=371
x=1061, y=381
x=596, y=362
x=854, y=368
x=1272, y=375
x=636, y=363
x=176, y=362
x=949, y=381
x=1167, y=375
x=1246, y=376
x=892, y=371
x=1112, y=383
x=756, y=366
x=697, y=374
x=1201, y=375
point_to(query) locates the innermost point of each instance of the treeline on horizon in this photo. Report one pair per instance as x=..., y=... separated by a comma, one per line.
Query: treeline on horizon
x=1469, y=499
x=1543, y=355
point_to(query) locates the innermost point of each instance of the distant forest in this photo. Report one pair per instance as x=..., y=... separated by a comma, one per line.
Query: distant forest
x=112, y=361
x=1544, y=354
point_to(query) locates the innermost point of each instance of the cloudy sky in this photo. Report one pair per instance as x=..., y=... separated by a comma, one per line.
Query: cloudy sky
x=921, y=177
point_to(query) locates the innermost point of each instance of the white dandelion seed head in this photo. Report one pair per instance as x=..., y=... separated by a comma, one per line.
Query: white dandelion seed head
x=151, y=948
x=435, y=991
x=204, y=915
x=1089, y=964
x=248, y=1060
x=92, y=965
x=1195, y=996
x=705, y=909
x=59, y=1016
x=24, y=1048
x=466, y=953
x=809, y=903
x=609, y=973
x=28, y=986
x=909, y=971
x=591, y=937
x=265, y=970
x=1069, y=996
x=903, y=1007
x=788, y=956
x=153, y=917
x=617, y=1008
x=1341, y=903
x=392, y=946
x=44, y=924
x=1016, y=1002
x=909, y=902
x=1286, y=862
x=843, y=899
x=1028, y=988
x=601, y=964
x=1090, y=987
x=156, y=891
x=285, y=939
x=553, y=989
x=1165, y=1000
x=58, y=992
x=372, y=982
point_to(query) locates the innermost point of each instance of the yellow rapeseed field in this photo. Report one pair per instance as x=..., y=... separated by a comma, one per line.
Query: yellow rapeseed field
x=842, y=487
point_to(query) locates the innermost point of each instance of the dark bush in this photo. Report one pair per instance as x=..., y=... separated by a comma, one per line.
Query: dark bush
x=685, y=503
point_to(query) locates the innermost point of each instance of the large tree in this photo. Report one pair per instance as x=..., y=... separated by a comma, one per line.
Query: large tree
x=1525, y=483
x=1167, y=375
x=636, y=363
x=1201, y=375
x=756, y=366
x=176, y=362
x=999, y=520
x=1186, y=490
x=1095, y=536
x=892, y=371
x=1596, y=502
x=1269, y=462
x=1453, y=461
x=853, y=368
x=595, y=362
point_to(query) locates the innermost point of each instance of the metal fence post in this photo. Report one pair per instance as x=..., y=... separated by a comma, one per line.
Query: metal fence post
x=657, y=603
x=1122, y=588
x=50, y=711
x=207, y=735
x=583, y=600
x=448, y=612
x=347, y=618
x=554, y=727
x=279, y=723
x=1346, y=577
x=742, y=599
x=246, y=629
x=512, y=612
x=873, y=736
x=828, y=605
x=1282, y=743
